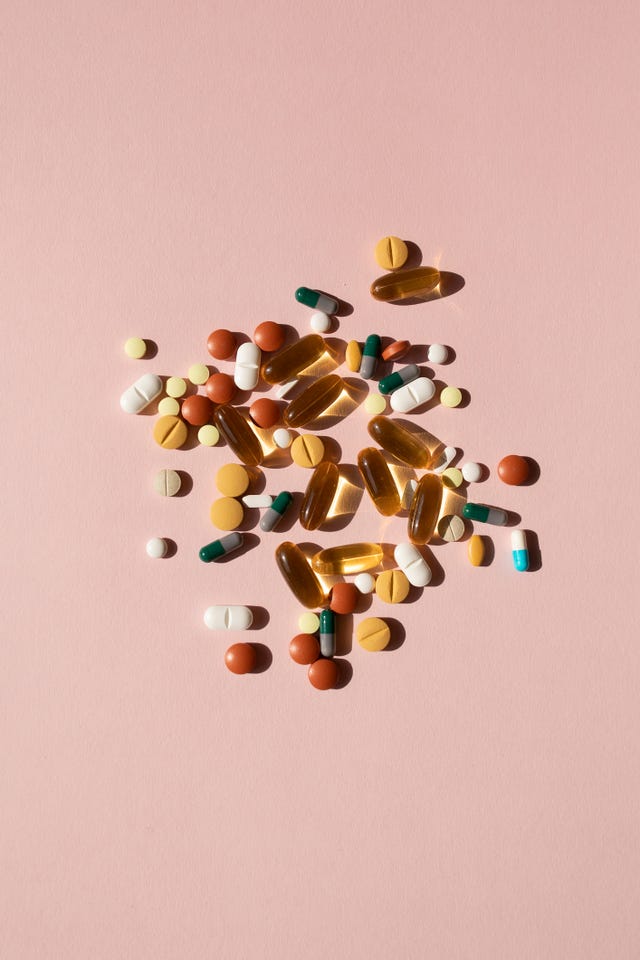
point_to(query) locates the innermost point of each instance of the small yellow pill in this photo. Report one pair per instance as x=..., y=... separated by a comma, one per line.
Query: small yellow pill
x=451, y=527
x=208, y=435
x=309, y=622
x=392, y=586
x=232, y=480
x=175, y=387
x=353, y=355
x=373, y=634
x=226, y=513
x=375, y=404
x=452, y=477
x=135, y=348
x=169, y=407
x=475, y=550
x=307, y=450
x=198, y=373
x=451, y=397
x=391, y=253
x=170, y=432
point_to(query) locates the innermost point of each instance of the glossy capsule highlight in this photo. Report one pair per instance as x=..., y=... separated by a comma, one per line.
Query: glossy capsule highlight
x=379, y=481
x=400, y=443
x=286, y=364
x=405, y=284
x=239, y=436
x=299, y=576
x=348, y=558
x=319, y=495
x=425, y=508
x=484, y=514
x=314, y=400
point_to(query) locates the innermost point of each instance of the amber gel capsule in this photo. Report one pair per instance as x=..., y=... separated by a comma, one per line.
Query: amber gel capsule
x=299, y=576
x=313, y=401
x=379, y=481
x=348, y=558
x=319, y=495
x=239, y=435
x=284, y=366
x=400, y=443
x=425, y=508
x=405, y=284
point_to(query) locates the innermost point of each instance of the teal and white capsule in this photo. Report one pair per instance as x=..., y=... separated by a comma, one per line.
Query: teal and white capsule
x=398, y=379
x=220, y=548
x=478, y=511
x=370, y=356
x=316, y=300
x=519, y=550
x=276, y=511
x=327, y=633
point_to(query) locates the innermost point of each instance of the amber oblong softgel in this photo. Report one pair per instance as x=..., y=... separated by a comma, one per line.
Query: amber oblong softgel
x=239, y=436
x=299, y=576
x=347, y=558
x=425, y=508
x=379, y=481
x=405, y=284
x=400, y=443
x=294, y=358
x=313, y=401
x=319, y=495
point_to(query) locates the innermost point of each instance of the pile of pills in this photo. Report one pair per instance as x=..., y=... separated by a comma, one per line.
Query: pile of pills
x=265, y=429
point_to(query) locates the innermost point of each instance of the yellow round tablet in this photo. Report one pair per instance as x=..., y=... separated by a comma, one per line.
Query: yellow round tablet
x=175, y=387
x=375, y=404
x=391, y=253
x=309, y=622
x=170, y=432
x=307, y=450
x=451, y=397
x=232, y=480
x=169, y=407
x=392, y=586
x=373, y=634
x=452, y=477
x=198, y=373
x=135, y=348
x=353, y=355
x=208, y=435
x=226, y=513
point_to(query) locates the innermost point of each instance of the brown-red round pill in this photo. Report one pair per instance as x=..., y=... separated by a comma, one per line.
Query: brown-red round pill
x=264, y=412
x=240, y=658
x=197, y=410
x=344, y=597
x=220, y=387
x=269, y=336
x=513, y=470
x=395, y=350
x=304, y=648
x=221, y=344
x=323, y=674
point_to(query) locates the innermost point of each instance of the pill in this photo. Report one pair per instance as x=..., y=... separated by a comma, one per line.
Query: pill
x=269, y=336
x=365, y=583
x=451, y=397
x=286, y=388
x=157, y=547
x=282, y=438
x=309, y=622
x=197, y=410
x=221, y=617
x=443, y=461
x=198, y=373
x=475, y=550
x=425, y=508
x=472, y=472
x=226, y=513
x=392, y=586
x=437, y=353
x=299, y=576
x=294, y=358
x=208, y=435
x=168, y=407
x=451, y=528
x=413, y=564
x=316, y=300
x=375, y=404
x=314, y=400
x=406, y=284
x=221, y=344
x=320, y=322
x=276, y=511
x=307, y=450
x=327, y=633
x=232, y=480
x=304, y=649
x=170, y=432
x=370, y=356
x=399, y=442
x=318, y=496
x=240, y=658
x=452, y=477
x=519, y=550
x=135, y=348
x=323, y=674
x=264, y=412
x=379, y=481
x=141, y=393
x=373, y=634
x=412, y=395
x=484, y=514
x=257, y=501
x=391, y=253
x=397, y=379
x=395, y=351
x=175, y=387
x=513, y=470
x=238, y=435
x=347, y=558
x=167, y=483
x=246, y=372
x=409, y=493
x=220, y=548
x=353, y=355
x=220, y=388
x=344, y=598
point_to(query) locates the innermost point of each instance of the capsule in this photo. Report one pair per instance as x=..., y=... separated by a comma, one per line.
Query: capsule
x=349, y=558
x=425, y=508
x=379, y=481
x=475, y=550
x=398, y=379
x=220, y=548
x=412, y=395
x=327, y=633
x=299, y=576
x=484, y=514
x=400, y=443
x=370, y=356
x=239, y=435
x=284, y=366
x=405, y=284
x=276, y=511
x=316, y=300
x=313, y=401
x=319, y=495
x=519, y=550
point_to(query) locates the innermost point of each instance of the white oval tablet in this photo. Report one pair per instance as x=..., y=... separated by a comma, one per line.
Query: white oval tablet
x=443, y=461
x=472, y=472
x=437, y=353
x=141, y=393
x=412, y=395
x=258, y=500
x=413, y=564
x=228, y=618
x=247, y=368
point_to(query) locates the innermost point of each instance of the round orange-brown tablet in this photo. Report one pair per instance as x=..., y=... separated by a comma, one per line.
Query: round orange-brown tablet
x=226, y=513
x=170, y=432
x=220, y=387
x=323, y=674
x=269, y=336
x=264, y=412
x=513, y=470
x=197, y=410
x=240, y=658
x=344, y=597
x=395, y=350
x=221, y=344
x=304, y=648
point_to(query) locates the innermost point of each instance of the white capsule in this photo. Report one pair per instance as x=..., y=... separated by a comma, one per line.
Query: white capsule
x=320, y=321
x=365, y=582
x=228, y=618
x=412, y=395
x=413, y=564
x=257, y=500
x=282, y=438
x=437, y=353
x=472, y=472
x=141, y=393
x=157, y=548
x=247, y=368
x=443, y=461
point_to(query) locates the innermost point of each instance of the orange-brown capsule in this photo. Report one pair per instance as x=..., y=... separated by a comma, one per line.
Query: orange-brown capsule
x=400, y=443
x=313, y=401
x=379, y=481
x=425, y=508
x=294, y=358
x=347, y=558
x=319, y=495
x=239, y=435
x=404, y=284
x=299, y=576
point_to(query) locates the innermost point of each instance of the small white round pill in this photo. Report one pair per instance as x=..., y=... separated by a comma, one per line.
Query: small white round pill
x=437, y=353
x=282, y=438
x=320, y=321
x=472, y=472
x=365, y=582
x=156, y=547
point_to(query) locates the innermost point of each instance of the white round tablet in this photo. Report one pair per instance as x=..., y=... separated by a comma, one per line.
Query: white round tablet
x=320, y=321
x=365, y=582
x=472, y=472
x=282, y=438
x=437, y=353
x=156, y=547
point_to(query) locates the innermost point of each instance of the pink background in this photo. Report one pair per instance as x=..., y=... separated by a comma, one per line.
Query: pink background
x=168, y=168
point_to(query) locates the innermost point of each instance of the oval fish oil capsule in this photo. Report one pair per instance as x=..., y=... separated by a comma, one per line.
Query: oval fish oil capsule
x=484, y=514
x=405, y=284
x=141, y=393
x=238, y=435
x=347, y=558
x=316, y=300
x=379, y=481
x=519, y=550
x=222, y=617
x=370, y=356
x=425, y=508
x=413, y=564
x=299, y=576
x=220, y=548
x=475, y=550
x=247, y=369
x=398, y=378
x=276, y=511
x=327, y=633
x=412, y=395
x=319, y=495
x=400, y=443
x=285, y=364
x=314, y=400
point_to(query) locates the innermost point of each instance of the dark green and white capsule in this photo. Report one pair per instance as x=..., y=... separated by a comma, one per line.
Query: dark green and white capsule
x=327, y=633
x=316, y=300
x=276, y=511
x=484, y=514
x=398, y=379
x=220, y=548
x=370, y=356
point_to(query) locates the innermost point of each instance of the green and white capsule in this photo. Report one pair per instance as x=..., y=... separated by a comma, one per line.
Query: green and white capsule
x=316, y=300
x=398, y=379
x=327, y=633
x=220, y=548
x=484, y=514
x=370, y=356
x=276, y=511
